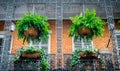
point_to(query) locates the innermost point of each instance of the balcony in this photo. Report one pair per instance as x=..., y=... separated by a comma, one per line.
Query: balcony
x=104, y=62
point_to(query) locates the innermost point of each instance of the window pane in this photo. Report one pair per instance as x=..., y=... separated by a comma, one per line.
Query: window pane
x=45, y=48
x=1, y=45
x=35, y=43
x=1, y=41
x=87, y=43
x=36, y=46
x=42, y=44
x=77, y=44
x=119, y=46
x=119, y=52
x=0, y=50
x=0, y=58
x=118, y=41
x=82, y=43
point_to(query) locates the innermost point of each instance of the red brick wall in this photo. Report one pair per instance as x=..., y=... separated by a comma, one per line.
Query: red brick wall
x=52, y=37
x=17, y=43
x=101, y=42
x=66, y=41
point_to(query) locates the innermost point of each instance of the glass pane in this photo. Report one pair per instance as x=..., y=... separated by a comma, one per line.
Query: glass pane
x=119, y=52
x=44, y=42
x=35, y=43
x=0, y=58
x=118, y=45
x=87, y=43
x=36, y=46
x=0, y=50
x=82, y=43
x=118, y=41
x=1, y=41
x=77, y=48
x=77, y=44
x=1, y=44
x=45, y=48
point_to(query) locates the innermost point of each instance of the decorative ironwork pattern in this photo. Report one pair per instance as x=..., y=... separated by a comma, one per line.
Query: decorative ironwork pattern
x=56, y=8
x=59, y=27
x=47, y=7
x=54, y=1
x=6, y=44
x=111, y=26
x=103, y=63
x=33, y=65
x=52, y=61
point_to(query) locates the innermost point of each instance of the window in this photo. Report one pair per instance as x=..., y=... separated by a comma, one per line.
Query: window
x=43, y=44
x=1, y=44
x=9, y=43
x=117, y=36
x=118, y=43
x=118, y=46
x=81, y=43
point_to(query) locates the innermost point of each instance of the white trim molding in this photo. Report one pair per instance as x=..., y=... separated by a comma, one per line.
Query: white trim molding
x=11, y=44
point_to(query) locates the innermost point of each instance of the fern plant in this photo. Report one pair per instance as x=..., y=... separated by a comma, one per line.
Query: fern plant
x=30, y=49
x=118, y=21
x=86, y=51
x=89, y=20
x=36, y=21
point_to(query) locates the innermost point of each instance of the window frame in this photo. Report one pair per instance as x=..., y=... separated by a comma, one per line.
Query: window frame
x=117, y=32
x=46, y=45
x=2, y=35
x=73, y=43
x=11, y=44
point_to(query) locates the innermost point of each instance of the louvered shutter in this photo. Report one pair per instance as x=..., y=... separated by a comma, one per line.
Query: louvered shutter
x=1, y=46
x=5, y=51
x=118, y=45
x=42, y=44
x=77, y=44
x=82, y=43
x=87, y=43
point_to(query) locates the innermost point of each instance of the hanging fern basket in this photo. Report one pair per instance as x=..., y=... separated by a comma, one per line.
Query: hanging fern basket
x=33, y=27
x=31, y=32
x=84, y=31
x=88, y=56
x=31, y=55
x=86, y=26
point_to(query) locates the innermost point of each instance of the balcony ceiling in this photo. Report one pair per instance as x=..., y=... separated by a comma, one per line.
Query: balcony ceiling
x=49, y=10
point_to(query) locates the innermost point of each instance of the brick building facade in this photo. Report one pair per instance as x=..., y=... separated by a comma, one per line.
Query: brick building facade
x=67, y=42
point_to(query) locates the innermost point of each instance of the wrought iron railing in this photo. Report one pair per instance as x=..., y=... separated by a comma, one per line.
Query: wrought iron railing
x=103, y=63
